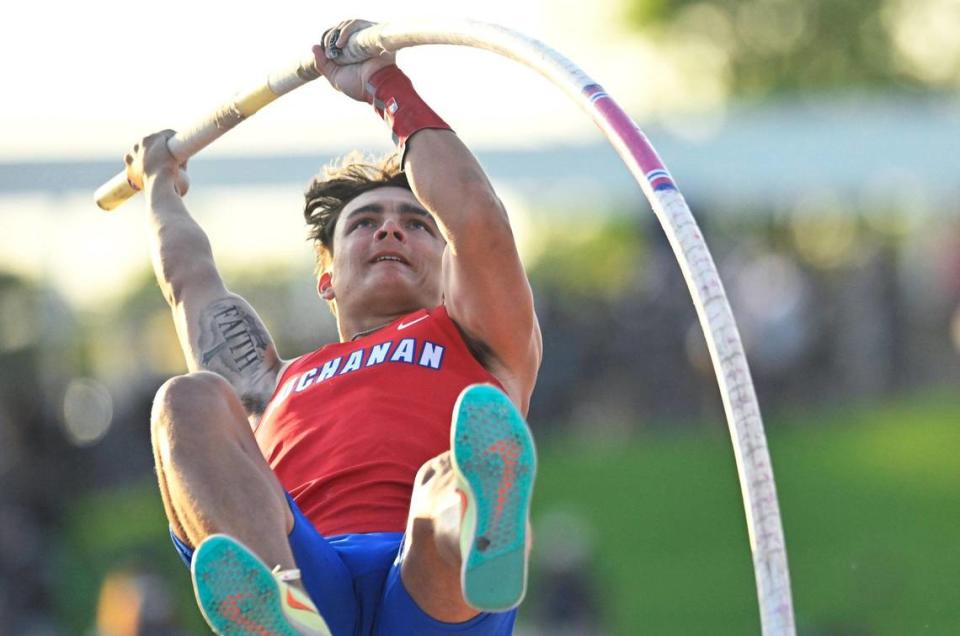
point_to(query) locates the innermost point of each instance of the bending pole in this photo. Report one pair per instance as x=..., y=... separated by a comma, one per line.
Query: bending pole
x=716, y=318
x=188, y=142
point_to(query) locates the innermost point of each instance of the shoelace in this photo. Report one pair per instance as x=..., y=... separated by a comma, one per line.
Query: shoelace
x=286, y=575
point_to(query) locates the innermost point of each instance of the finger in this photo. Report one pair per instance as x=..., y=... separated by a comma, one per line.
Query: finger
x=349, y=28
x=182, y=183
x=134, y=178
x=163, y=135
x=337, y=32
x=320, y=58
x=333, y=52
x=157, y=146
x=343, y=35
x=330, y=37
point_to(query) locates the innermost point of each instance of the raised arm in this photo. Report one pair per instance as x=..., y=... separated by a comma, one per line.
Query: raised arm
x=218, y=330
x=486, y=291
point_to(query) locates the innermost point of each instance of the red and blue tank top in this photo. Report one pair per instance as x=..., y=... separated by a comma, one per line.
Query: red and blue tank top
x=350, y=424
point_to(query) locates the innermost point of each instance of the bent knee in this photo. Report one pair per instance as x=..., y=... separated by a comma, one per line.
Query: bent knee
x=193, y=403
x=187, y=392
x=202, y=382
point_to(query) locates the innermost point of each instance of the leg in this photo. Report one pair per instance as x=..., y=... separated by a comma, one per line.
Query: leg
x=468, y=531
x=431, y=561
x=222, y=498
x=211, y=472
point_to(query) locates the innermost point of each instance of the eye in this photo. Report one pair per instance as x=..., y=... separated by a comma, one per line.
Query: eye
x=362, y=222
x=419, y=225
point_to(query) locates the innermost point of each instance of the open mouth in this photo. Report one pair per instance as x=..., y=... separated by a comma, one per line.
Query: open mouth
x=390, y=258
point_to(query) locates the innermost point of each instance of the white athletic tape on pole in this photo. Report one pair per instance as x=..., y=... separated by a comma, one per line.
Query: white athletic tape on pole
x=743, y=415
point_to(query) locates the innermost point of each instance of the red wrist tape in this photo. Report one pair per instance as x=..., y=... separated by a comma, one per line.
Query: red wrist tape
x=393, y=97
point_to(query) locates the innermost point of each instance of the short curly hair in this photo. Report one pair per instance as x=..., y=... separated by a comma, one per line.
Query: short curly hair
x=339, y=183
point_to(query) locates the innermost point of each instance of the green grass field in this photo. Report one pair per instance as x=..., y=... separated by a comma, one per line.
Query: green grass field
x=870, y=499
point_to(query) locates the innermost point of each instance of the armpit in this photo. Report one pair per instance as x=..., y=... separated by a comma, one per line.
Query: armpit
x=253, y=404
x=480, y=350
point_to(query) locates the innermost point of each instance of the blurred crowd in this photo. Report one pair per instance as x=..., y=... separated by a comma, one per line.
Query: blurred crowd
x=837, y=306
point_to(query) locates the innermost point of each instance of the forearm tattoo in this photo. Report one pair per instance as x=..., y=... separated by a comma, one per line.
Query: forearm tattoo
x=232, y=340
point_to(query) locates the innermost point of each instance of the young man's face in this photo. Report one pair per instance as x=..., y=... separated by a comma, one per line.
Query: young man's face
x=387, y=254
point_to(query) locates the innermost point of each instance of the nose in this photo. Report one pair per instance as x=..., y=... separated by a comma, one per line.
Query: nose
x=390, y=228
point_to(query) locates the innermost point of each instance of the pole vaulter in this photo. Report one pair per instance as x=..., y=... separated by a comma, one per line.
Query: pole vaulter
x=716, y=318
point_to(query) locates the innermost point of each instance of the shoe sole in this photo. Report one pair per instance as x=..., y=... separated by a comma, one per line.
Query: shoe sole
x=236, y=592
x=496, y=463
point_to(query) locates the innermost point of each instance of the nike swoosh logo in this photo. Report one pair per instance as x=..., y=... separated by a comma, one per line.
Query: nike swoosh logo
x=509, y=452
x=404, y=325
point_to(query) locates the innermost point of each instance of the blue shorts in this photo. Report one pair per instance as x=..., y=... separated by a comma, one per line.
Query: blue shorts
x=354, y=579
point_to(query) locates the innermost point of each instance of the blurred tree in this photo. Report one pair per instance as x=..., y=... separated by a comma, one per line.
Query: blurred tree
x=38, y=470
x=138, y=335
x=770, y=46
x=588, y=257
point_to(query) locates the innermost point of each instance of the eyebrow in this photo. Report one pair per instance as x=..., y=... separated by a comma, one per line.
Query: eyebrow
x=377, y=208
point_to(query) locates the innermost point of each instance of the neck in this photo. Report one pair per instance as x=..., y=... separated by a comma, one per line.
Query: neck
x=367, y=332
x=357, y=328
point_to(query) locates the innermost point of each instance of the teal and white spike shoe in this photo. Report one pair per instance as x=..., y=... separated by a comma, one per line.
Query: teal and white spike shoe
x=239, y=595
x=495, y=463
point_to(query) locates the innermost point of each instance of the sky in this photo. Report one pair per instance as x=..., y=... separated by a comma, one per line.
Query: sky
x=85, y=80
x=92, y=77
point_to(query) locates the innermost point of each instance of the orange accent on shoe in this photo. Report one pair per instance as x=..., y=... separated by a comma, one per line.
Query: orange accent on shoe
x=463, y=504
x=296, y=604
x=508, y=451
x=230, y=608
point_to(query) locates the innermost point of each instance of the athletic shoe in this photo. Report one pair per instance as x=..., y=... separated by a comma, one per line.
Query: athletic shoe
x=495, y=463
x=239, y=595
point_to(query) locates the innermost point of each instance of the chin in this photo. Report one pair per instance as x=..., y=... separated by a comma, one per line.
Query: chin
x=392, y=294
x=399, y=303
x=392, y=298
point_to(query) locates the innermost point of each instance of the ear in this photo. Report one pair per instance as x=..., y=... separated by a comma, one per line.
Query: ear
x=325, y=286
